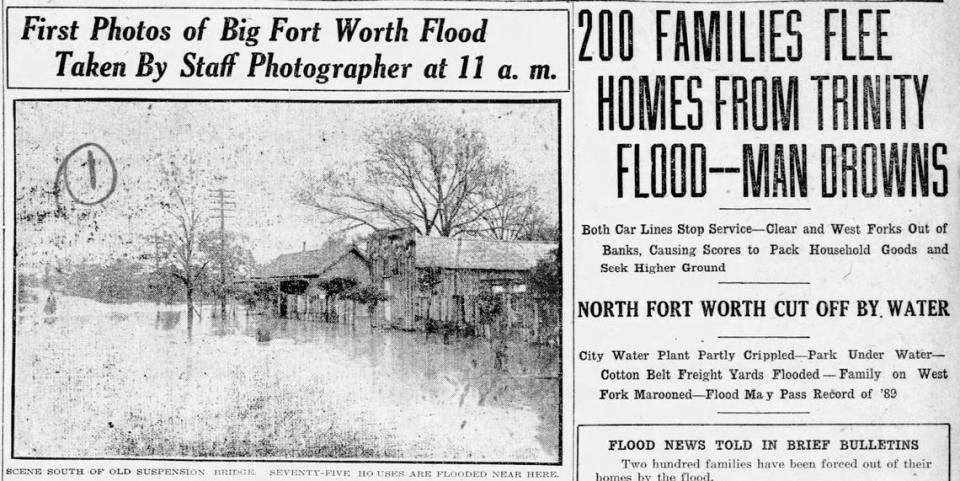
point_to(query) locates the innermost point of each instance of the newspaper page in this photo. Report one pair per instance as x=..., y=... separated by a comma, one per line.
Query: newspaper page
x=389, y=240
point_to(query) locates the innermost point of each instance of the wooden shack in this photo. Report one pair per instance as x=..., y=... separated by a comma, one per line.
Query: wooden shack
x=440, y=281
x=298, y=278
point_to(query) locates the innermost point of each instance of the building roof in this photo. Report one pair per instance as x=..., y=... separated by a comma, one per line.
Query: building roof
x=459, y=253
x=310, y=263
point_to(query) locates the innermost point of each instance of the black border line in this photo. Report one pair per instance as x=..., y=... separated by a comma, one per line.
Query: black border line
x=949, y=447
x=575, y=449
x=560, y=384
x=566, y=11
x=747, y=2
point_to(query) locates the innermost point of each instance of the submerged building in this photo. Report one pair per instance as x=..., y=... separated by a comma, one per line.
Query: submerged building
x=446, y=281
x=450, y=284
x=298, y=279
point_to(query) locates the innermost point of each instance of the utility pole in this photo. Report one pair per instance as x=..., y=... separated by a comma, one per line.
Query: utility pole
x=224, y=201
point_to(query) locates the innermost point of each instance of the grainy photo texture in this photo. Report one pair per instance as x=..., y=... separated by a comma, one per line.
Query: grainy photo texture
x=287, y=280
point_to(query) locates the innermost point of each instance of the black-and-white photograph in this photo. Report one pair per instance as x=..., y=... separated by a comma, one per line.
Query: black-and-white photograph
x=269, y=280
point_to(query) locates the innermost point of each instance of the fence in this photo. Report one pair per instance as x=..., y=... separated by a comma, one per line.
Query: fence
x=509, y=316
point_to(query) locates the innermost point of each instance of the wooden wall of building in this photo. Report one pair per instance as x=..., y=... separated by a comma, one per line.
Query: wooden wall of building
x=456, y=293
x=392, y=267
x=457, y=301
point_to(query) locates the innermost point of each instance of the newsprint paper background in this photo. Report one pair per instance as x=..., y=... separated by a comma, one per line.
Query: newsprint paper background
x=602, y=241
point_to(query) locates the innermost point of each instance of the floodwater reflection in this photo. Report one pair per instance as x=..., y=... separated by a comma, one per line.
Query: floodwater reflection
x=254, y=386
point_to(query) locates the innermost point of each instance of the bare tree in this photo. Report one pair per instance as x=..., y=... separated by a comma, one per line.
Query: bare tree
x=426, y=173
x=509, y=211
x=185, y=236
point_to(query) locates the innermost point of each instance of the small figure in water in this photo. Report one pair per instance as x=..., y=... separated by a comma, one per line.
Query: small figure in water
x=500, y=354
x=51, y=306
x=263, y=335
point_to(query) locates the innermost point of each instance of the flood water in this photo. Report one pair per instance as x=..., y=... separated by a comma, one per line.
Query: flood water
x=133, y=382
